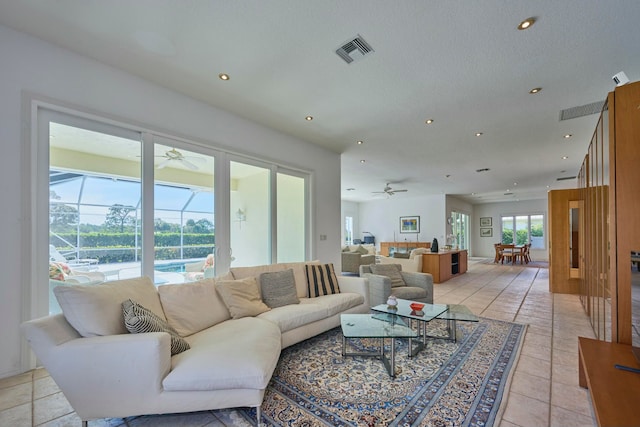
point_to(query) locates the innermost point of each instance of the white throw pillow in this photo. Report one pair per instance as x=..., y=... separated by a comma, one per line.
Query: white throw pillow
x=95, y=310
x=192, y=307
x=242, y=297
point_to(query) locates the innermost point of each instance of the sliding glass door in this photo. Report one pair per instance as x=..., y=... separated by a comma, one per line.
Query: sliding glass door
x=123, y=203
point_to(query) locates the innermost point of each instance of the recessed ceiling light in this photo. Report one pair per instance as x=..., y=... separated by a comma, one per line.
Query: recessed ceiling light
x=535, y=90
x=223, y=76
x=515, y=183
x=527, y=23
x=360, y=142
x=565, y=157
x=362, y=161
x=478, y=133
x=308, y=118
x=567, y=136
x=429, y=121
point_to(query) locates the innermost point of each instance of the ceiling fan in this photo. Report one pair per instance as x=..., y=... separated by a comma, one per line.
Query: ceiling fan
x=389, y=191
x=175, y=156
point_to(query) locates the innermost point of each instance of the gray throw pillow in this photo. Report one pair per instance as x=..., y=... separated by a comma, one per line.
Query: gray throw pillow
x=139, y=319
x=403, y=255
x=392, y=271
x=278, y=288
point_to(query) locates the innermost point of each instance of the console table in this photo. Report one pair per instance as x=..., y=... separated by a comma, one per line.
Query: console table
x=390, y=247
x=614, y=392
x=444, y=265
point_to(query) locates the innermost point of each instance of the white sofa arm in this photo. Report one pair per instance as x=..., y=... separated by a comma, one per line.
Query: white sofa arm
x=357, y=285
x=100, y=372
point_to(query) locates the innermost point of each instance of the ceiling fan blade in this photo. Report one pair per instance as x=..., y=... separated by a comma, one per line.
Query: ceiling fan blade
x=162, y=164
x=188, y=164
x=400, y=191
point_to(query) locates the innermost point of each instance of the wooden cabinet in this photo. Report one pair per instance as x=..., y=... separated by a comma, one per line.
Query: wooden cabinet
x=445, y=265
x=614, y=392
x=387, y=248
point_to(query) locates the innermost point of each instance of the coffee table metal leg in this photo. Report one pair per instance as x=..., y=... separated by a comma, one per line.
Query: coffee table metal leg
x=390, y=364
x=451, y=327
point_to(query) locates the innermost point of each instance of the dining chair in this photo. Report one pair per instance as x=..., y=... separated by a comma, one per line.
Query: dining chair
x=508, y=252
x=526, y=256
x=498, y=256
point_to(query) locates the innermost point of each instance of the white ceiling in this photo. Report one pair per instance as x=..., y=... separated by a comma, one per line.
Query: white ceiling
x=462, y=63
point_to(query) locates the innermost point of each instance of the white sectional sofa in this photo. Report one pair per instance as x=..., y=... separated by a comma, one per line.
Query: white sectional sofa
x=105, y=371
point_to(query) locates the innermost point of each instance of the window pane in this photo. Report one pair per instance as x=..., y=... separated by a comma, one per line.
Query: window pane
x=537, y=232
x=183, y=215
x=250, y=213
x=522, y=230
x=291, y=218
x=94, y=196
x=507, y=229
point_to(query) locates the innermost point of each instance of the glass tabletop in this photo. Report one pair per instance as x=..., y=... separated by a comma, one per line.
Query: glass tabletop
x=428, y=312
x=458, y=312
x=367, y=326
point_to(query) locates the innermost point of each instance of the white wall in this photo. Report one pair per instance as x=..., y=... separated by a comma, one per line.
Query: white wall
x=29, y=65
x=483, y=246
x=382, y=218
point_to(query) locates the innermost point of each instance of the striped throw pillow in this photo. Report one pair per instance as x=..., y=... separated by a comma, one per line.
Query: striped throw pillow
x=139, y=319
x=321, y=280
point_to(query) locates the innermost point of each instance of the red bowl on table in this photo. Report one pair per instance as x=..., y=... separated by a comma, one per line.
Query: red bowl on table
x=416, y=306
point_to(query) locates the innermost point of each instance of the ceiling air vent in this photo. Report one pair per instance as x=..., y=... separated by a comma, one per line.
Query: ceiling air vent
x=565, y=178
x=508, y=194
x=583, y=110
x=354, y=50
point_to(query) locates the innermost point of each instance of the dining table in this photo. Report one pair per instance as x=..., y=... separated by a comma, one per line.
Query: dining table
x=512, y=252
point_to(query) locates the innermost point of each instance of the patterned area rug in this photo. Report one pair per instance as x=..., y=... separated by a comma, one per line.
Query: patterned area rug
x=446, y=384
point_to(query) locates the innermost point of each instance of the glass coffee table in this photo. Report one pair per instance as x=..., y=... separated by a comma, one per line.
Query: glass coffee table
x=449, y=312
x=422, y=317
x=370, y=326
x=454, y=313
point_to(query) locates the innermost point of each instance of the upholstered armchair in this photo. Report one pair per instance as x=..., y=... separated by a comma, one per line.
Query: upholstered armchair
x=387, y=279
x=351, y=261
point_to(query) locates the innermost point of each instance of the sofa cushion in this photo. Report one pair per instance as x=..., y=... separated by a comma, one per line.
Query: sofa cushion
x=240, y=353
x=419, y=251
x=278, y=288
x=293, y=316
x=321, y=280
x=192, y=307
x=242, y=297
x=97, y=309
x=139, y=320
x=298, y=273
x=410, y=292
x=336, y=303
x=255, y=271
x=392, y=271
x=362, y=250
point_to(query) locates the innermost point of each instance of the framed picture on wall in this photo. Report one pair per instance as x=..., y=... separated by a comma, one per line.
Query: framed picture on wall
x=486, y=221
x=486, y=232
x=409, y=224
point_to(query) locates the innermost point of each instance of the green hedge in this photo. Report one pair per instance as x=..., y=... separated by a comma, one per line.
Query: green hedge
x=120, y=247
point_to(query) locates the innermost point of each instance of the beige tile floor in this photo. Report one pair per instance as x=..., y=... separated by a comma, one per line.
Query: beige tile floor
x=544, y=389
